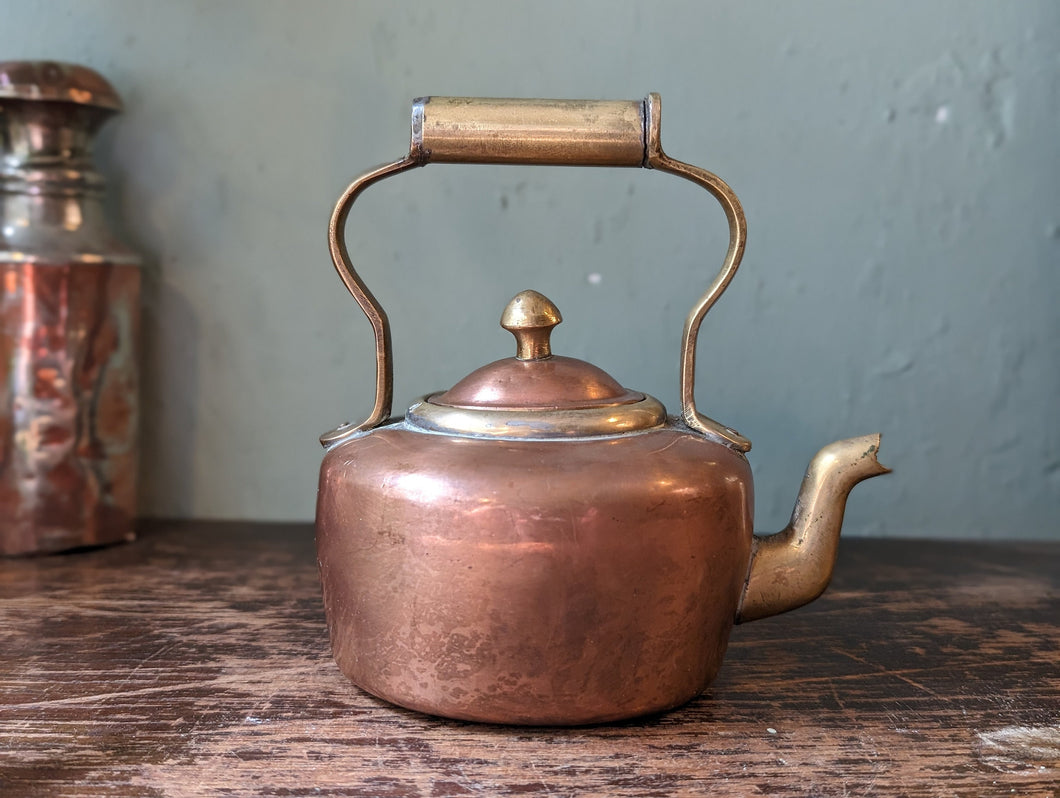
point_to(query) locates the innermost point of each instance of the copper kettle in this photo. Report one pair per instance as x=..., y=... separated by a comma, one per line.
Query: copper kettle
x=538, y=544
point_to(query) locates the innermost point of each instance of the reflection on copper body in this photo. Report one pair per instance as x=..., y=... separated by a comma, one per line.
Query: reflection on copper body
x=68, y=413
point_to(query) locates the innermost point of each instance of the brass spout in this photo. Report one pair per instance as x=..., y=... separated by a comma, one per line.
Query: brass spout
x=793, y=567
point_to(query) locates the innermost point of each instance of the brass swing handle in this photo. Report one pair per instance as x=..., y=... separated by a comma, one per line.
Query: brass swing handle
x=549, y=133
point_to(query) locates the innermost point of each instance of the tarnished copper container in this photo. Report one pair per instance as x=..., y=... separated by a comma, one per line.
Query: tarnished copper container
x=538, y=544
x=69, y=320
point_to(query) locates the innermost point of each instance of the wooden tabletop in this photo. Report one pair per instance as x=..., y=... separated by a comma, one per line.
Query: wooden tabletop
x=195, y=661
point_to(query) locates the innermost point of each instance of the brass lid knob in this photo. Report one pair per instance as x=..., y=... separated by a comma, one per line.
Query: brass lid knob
x=530, y=317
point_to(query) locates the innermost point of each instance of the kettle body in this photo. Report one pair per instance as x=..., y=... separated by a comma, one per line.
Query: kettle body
x=533, y=581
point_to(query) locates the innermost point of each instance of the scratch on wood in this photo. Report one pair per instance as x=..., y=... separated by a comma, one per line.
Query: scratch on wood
x=881, y=671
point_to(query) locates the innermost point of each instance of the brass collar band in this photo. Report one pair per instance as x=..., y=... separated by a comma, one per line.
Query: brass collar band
x=588, y=422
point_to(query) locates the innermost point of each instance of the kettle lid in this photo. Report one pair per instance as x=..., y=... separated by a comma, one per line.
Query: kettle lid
x=536, y=394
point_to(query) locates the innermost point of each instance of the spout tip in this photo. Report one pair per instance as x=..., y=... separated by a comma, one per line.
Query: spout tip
x=856, y=457
x=872, y=452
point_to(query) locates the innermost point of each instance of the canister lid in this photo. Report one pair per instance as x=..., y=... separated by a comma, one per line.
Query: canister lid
x=56, y=81
x=537, y=394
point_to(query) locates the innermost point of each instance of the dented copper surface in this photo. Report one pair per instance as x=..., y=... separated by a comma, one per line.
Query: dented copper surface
x=68, y=411
x=538, y=544
x=533, y=581
x=69, y=321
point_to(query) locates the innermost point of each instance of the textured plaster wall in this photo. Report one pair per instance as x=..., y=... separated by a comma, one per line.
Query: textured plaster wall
x=899, y=164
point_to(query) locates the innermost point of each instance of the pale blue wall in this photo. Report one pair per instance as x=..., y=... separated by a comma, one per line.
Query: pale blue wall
x=899, y=164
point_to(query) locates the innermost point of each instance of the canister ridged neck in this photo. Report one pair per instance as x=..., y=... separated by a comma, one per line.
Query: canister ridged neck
x=50, y=112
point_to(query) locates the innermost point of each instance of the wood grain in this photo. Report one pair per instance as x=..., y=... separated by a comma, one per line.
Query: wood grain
x=195, y=661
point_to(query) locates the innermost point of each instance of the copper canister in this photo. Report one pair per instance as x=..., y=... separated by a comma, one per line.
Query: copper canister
x=69, y=320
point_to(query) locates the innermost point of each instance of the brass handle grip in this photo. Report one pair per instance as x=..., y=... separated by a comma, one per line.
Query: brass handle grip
x=547, y=132
x=544, y=132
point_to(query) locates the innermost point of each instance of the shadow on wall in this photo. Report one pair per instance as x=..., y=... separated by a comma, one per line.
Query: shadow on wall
x=169, y=357
x=167, y=451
